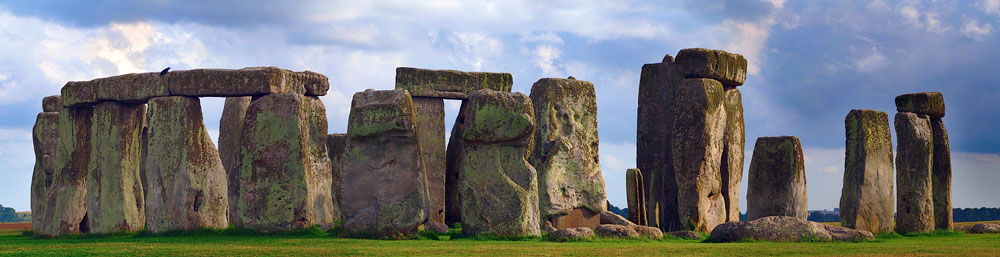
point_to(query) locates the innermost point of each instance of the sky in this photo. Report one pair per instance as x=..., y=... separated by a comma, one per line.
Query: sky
x=810, y=63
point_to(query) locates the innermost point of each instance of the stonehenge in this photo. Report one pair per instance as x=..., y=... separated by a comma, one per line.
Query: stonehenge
x=45, y=139
x=866, y=200
x=634, y=196
x=114, y=190
x=923, y=164
x=777, y=183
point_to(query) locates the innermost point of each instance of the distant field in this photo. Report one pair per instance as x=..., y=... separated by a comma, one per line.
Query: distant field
x=12, y=242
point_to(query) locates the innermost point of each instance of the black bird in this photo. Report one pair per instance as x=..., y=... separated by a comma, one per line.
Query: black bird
x=164, y=72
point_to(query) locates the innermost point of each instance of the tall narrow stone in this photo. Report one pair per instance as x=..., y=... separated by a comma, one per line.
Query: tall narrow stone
x=114, y=190
x=654, y=138
x=66, y=209
x=430, y=126
x=635, y=196
x=732, y=153
x=385, y=187
x=867, y=198
x=186, y=179
x=230, y=134
x=45, y=138
x=456, y=144
x=335, y=146
x=914, y=164
x=698, y=128
x=777, y=179
x=285, y=172
x=498, y=188
x=941, y=176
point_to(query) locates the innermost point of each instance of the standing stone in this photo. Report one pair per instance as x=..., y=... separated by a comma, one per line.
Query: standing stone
x=430, y=126
x=635, y=196
x=914, y=164
x=187, y=182
x=45, y=138
x=728, y=68
x=777, y=179
x=114, y=190
x=230, y=133
x=284, y=171
x=449, y=83
x=654, y=139
x=66, y=209
x=698, y=128
x=732, y=153
x=566, y=152
x=941, y=176
x=498, y=188
x=867, y=198
x=335, y=146
x=385, y=187
x=456, y=144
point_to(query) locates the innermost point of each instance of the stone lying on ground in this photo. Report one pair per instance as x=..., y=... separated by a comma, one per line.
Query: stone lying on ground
x=616, y=231
x=608, y=217
x=230, y=134
x=335, y=144
x=253, y=81
x=384, y=191
x=132, y=88
x=66, y=205
x=566, y=148
x=728, y=68
x=571, y=234
x=941, y=176
x=654, y=158
x=985, y=228
x=187, y=184
x=449, y=83
x=52, y=103
x=578, y=217
x=45, y=139
x=430, y=126
x=635, y=196
x=698, y=130
x=685, y=234
x=914, y=161
x=498, y=188
x=777, y=179
x=114, y=190
x=284, y=173
x=785, y=229
x=930, y=103
x=437, y=227
x=652, y=233
x=867, y=197
x=732, y=153
x=79, y=94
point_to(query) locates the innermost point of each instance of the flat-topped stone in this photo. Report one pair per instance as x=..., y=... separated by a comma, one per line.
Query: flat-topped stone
x=52, y=103
x=132, y=88
x=246, y=82
x=777, y=179
x=450, y=84
x=867, y=198
x=728, y=68
x=930, y=103
x=79, y=94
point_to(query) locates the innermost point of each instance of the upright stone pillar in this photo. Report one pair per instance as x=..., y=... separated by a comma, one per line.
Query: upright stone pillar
x=230, y=133
x=430, y=126
x=732, y=153
x=187, y=182
x=66, y=209
x=635, y=196
x=456, y=144
x=335, y=146
x=114, y=190
x=698, y=127
x=914, y=161
x=932, y=105
x=867, y=197
x=654, y=137
x=777, y=179
x=45, y=138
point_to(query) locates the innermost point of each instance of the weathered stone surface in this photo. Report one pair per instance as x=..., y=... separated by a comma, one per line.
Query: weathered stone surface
x=79, y=94
x=785, y=229
x=777, y=179
x=635, y=196
x=867, y=198
x=132, y=88
x=450, y=83
x=732, y=153
x=335, y=146
x=914, y=162
x=930, y=103
x=285, y=173
x=985, y=228
x=187, y=184
x=456, y=144
x=651, y=233
x=66, y=209
x=579, y=217
x=941, y=176
x=728, y=68
x=685, y=234
x=52, y=103
x=498, y=188
x=384, y=189
x=654, y=139
x=430, y=126
x=566, y=152
x=608, y=217
x=698, y=128
x=571, y=234
x=616, y=231
x=253, y=81
x=437, y=227
x=114, y=191
x=45, y=139
x=230, y=133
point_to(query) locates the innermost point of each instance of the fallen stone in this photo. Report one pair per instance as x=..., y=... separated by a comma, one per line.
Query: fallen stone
x=685, y=234
x=255, y=81
x=453, y=155
x=430, y=127
x=79, y=94
x=284, y=174
x=616, y=231
x=777, y=179
x=114, y=190
x=384, y=191
x=985, y=228
x=579, y=217
x=785, y=229
x=698, y=128
x=867, y=198
x=566, y=148
x=635, y=196
x=450, y=84
x=132, y=88
x=651, y=233
x=52, y=103
x=930, y=103
x=66, y=205
x=230, y=133
x=608, y=217
x=498, y=188
x=732, y=153
x=187, y=184
x=728, y=68
x=914, y=164
x=571, y=234
x=437, y=227
x=335, y=146
x=45, y=139
x=941, y=176
x=654, y=140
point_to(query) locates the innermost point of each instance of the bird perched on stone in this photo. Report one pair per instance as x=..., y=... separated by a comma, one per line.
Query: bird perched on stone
x=164, y=72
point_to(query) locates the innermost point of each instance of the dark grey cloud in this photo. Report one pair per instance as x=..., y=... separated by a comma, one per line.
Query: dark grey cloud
x=232, y=13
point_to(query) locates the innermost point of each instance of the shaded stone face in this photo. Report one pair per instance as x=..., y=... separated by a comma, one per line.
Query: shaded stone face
x=187, y=184
x=635, y=196
x=114, y=190
x=698, y=128
x=777, y=179
x=284, y=171
x=941, y=176
x=657, y=85
x=497, y=186
x=132, y=88
x=335, y=146
x=66, y=209
x=732, y=153
x=79, y=94
x=566, y=148
x=45, y=138
x=230, y=134
x=430, y=126
x=867, y=198
x=449, y=83
x=52, y=103
x=785, y=229
x=453, y=207
x=253, y=81
x=728, y=68
x=930, y=103
x=914, y=161
x=384, y=189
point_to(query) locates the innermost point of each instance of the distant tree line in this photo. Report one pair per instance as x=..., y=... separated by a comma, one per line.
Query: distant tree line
x=8, y=214
x=620, y=211
x=975, y=214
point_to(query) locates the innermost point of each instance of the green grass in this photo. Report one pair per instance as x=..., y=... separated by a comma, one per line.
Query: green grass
x=315, y=242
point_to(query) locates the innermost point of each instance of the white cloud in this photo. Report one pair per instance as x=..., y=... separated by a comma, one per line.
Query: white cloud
x=616, y=158
x=976, y=31
x=990, y=6
x=928, y=20
x=545, y=56
x=478, y=48
x=749, y=39
x=546, y=37
x=871, y=62
x=778, y=3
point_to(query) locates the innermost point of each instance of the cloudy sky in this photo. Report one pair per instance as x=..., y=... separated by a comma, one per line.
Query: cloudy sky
x=811, y=62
